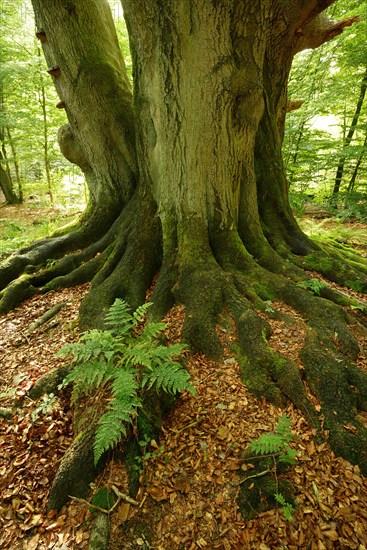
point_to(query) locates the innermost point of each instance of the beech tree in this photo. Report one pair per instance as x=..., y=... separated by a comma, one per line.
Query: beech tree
x=188, y=192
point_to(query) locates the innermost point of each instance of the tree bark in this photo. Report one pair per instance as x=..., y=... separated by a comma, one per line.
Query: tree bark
x=90, y=78
x=6, y=185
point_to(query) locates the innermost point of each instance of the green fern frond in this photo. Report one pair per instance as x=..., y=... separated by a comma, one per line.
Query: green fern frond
x=170, y=377
x=288, y=455
x=129, y=360
x=125, y=386
x=151, y=331
x=111, y=429
x=88, y=376
x=168, y=353
x=92, y=344
x=119, y=317
x=287, y=507
x=138, y=355
x=284, y=428
x=276, y=443
x=140, y=313
x=267, y=444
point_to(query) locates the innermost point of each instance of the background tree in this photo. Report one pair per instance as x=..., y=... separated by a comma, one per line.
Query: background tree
x=188, y=193
x=329, y=80
x=29, y=117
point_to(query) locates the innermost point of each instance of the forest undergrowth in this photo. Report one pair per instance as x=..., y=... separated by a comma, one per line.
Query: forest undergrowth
x=190, y=478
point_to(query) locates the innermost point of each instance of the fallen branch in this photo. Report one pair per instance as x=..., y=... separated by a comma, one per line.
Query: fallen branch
x=120, y=496
x=46, y=317
x=124, y=497
x=260, y=474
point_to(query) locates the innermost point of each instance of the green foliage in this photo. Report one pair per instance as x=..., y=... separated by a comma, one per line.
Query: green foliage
x=26, y=229
x=328, y=79
x=276, y=443
x=268, y=306
x=354, y=206
x=45, y=406
x=147, y=453
x=315, y=285
x=287, y=507
x=130, y=361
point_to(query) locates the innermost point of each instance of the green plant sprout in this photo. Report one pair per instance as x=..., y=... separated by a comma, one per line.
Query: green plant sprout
x=287, y=507
x=277, y=446
x=45, y=406
x=315, y=285
x=129, y=361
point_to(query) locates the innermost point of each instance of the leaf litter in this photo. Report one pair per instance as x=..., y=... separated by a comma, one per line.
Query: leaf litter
x=187, y=497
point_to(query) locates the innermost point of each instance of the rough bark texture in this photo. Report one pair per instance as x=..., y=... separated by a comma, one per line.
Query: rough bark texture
x=189, y=185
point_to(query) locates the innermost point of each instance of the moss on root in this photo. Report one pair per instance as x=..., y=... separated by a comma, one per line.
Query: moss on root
x=16, y=292
x=336, y=267
x=261, y=483
x=76, y=471
x=331, y=378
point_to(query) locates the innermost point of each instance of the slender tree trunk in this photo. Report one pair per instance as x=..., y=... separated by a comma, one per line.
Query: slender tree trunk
x=356, y=168
x=6, y=184
x=349, y=137
x=91, y=80
x=16, y=165
x=46, y=157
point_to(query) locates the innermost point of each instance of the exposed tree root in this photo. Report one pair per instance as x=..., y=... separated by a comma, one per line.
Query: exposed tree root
x=213, y=276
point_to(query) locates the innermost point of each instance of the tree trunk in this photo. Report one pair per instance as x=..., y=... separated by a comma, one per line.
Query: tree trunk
x=357, y=166
x=189, y=189
x=46, y=157
x=6, y=185
x=16, y=165
x=349, y=137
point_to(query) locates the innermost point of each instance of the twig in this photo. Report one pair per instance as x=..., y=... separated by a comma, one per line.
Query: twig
x=83, y=501
x=124, y=497
x=190, y=425
x=260, y=474
x=120, y=496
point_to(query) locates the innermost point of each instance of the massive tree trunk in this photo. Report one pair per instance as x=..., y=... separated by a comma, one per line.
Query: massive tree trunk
x=187, y=183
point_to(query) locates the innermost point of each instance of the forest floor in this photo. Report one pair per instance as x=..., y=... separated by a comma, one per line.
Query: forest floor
x=189, y=485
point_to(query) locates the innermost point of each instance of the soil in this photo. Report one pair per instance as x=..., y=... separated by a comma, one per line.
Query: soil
x=189, y=485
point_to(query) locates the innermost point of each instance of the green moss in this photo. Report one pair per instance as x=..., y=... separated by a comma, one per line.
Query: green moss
x=104, y=499
x=319, y=262
x=265, y=292
x=16, y=292
x=259, y=382
x=349, y=445
x=357, y=285
x=257, y=493
x=132, y=458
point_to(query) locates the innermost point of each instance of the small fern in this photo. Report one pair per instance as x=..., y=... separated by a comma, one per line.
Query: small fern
x=314, y=285
x=287, y=507
x=276, y=443
x=129, y=361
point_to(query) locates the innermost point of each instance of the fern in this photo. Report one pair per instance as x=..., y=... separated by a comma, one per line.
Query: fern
x=287, y=507
x=315, y=285
x=128, y=360
x=171, y=378
x=276, y=443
